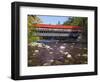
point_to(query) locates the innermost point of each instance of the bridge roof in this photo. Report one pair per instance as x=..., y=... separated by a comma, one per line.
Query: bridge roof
x=56, y=26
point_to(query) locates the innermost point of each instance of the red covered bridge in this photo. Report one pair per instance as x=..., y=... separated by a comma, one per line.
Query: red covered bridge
x=57, y=32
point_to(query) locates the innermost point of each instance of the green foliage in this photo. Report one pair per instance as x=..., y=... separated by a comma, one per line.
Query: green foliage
x=32, y=20
x=58, y=23
x=78, y=21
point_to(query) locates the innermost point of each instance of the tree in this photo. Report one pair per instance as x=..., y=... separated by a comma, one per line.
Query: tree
x=58, y=23
x=78, y=21
x=32, y=19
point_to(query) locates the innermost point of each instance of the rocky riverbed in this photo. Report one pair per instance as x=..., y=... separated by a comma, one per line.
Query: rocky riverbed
x=40, y=54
